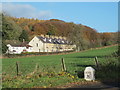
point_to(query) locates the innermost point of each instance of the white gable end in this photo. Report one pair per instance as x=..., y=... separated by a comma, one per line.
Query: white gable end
x=36, y=44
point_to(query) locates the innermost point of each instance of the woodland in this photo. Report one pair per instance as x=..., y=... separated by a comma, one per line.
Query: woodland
x=14, y=30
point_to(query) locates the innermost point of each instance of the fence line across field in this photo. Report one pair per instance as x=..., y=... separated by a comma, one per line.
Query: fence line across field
x=23, y=69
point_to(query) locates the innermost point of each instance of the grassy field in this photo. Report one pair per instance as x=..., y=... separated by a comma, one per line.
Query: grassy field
x=48, y=68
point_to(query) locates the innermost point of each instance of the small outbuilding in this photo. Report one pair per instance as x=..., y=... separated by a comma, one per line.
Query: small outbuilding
x=18, y=49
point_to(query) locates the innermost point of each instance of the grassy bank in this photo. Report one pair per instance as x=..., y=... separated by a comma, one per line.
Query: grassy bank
x=45, y=71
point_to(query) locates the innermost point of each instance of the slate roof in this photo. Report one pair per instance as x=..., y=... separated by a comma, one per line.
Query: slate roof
x=21, y=45
x=53, y=40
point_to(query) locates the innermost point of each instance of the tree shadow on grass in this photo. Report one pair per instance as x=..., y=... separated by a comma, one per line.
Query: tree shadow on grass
x=108, y=81
x=105, y=84
x=78, y=65
x=80, y=73
x=106, y=74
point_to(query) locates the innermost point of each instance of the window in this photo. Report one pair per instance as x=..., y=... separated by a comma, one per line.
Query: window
x=37, y=44
x=14, y=50
x=24, y=50
x=52, y=49
x=47, y=49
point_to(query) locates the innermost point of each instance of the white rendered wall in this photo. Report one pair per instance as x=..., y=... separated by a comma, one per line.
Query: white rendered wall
x=36, y=48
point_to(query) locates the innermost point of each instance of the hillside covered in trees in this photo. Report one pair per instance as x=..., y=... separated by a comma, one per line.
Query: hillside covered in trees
x=14, y=30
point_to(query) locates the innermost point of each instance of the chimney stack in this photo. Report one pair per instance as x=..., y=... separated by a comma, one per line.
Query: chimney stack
x=42, y=35
x=64, y=38
x=23, y=40
x=47, y=36
x=56, y=37
x=60, y=37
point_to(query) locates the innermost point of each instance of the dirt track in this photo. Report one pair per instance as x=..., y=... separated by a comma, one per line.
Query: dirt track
x=92, y=85
x=101, y=86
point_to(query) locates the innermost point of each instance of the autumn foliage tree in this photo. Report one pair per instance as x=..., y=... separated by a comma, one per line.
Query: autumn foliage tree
x=23, y=36
x=83, y=36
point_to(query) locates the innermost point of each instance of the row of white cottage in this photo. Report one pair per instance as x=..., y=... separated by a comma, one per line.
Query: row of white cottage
x=42, y=44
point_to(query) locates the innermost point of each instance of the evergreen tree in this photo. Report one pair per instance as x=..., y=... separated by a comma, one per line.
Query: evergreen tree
x=4, y=47
x=24, y=35
x=51, y=32
x=10, y=30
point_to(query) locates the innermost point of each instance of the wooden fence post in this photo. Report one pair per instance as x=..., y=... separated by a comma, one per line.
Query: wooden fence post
x=36, y=67
x=17, y=68
x=96, y=62
x=63, y=64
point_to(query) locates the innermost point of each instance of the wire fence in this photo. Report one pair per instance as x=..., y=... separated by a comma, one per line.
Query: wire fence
x=20, y=68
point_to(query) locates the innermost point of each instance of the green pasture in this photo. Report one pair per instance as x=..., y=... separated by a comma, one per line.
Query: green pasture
x=52, y=64
x=74, y=61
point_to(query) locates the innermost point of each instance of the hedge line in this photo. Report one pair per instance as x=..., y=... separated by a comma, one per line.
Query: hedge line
x=34, y=53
